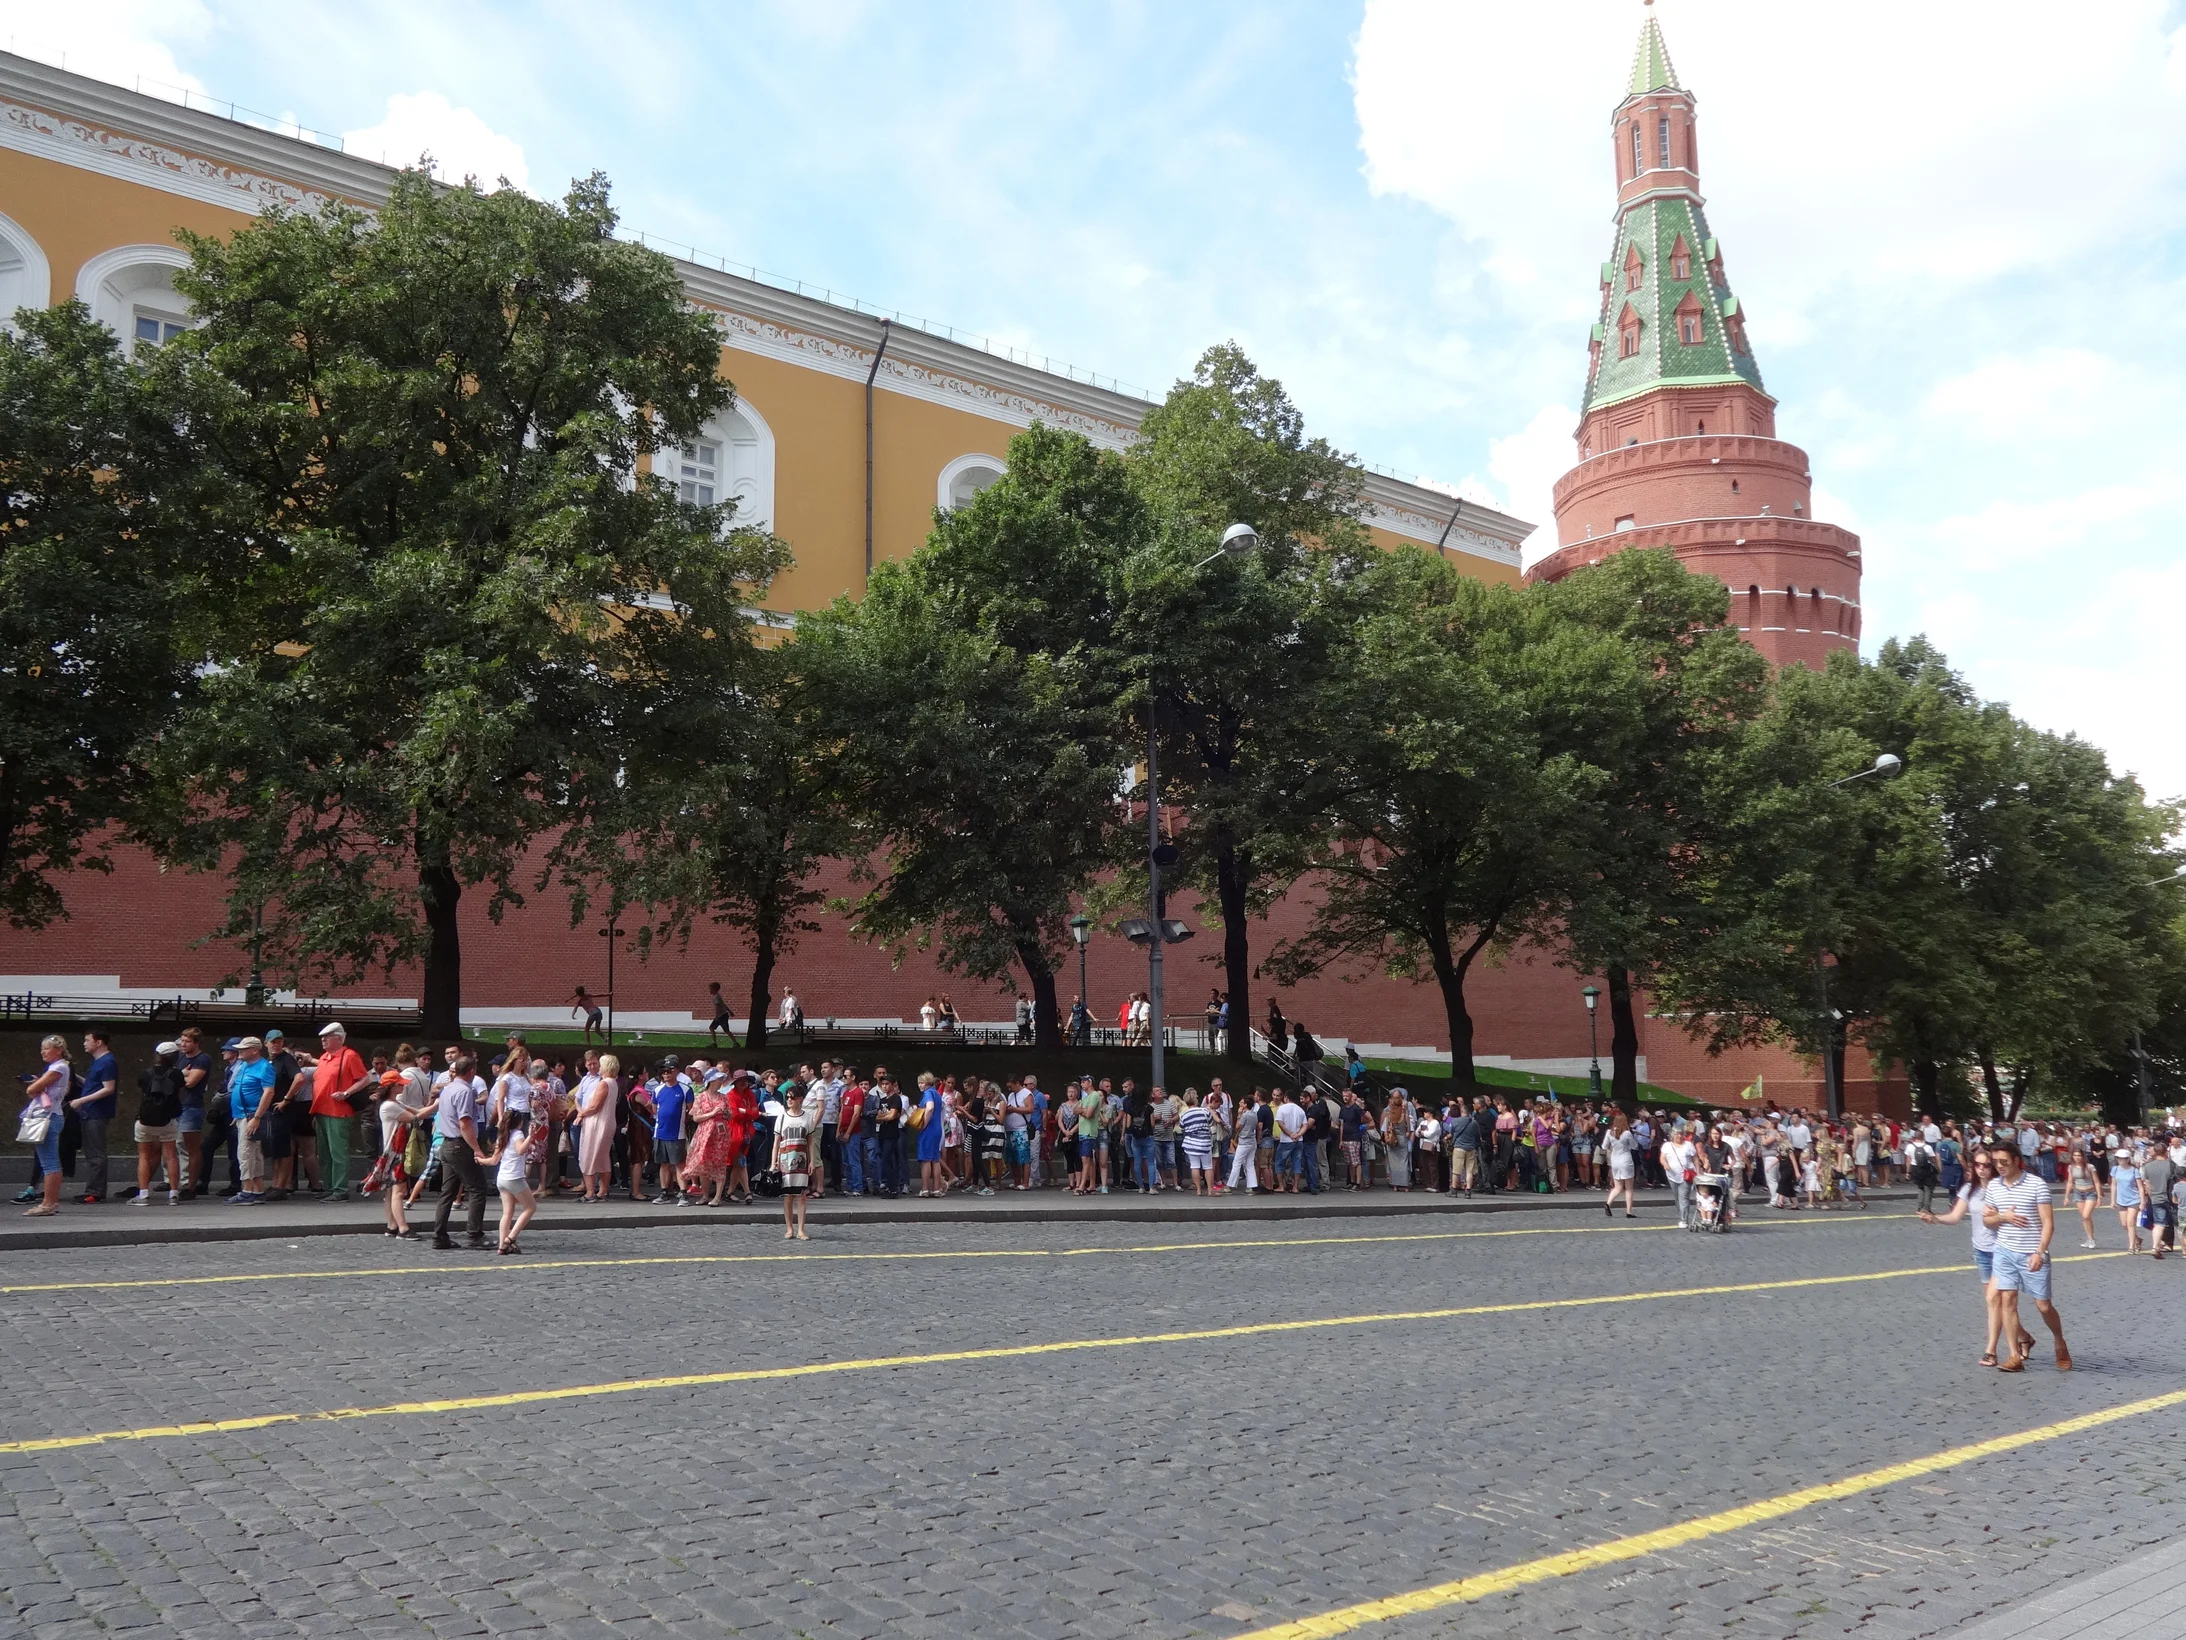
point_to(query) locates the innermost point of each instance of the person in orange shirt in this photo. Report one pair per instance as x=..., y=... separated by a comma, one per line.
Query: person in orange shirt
x=339, y=1079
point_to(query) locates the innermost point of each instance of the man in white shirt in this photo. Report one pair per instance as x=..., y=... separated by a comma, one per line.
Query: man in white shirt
x=1680, y=1158
x=2016, y=1206
x=1018, y=1126
x=789, y=1009
x=1290, y=1127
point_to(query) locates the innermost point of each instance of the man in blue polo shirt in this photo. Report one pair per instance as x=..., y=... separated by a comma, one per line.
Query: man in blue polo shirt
x=94, y=1109
x=250, y=1101
x=455, y=1124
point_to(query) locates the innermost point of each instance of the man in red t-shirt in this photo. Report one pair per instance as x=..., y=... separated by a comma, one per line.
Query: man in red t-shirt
x=339, y=1078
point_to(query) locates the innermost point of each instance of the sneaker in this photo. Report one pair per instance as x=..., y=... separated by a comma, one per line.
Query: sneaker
x=173, y=1200
x=87, y=1199
x=143, y=1198
x=29, y=1193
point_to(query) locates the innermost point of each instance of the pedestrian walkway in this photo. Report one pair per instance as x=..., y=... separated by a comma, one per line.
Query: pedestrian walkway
x=2143, y=1599
x=120, y=1225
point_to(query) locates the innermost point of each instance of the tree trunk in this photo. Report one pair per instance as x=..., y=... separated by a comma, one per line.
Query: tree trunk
x=1928, y=1085
x=761, y=1004
x=1623, y=1040
x=443, y=892
x=1232, y=877
x=1995, y=1088
x=1450, y=969
x=1047, y=1024
x=2022, y=1082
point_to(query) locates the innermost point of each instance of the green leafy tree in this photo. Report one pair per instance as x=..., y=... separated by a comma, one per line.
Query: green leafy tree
x=1644, y=894
x=1990, y=909
x=1230, y=657
x=738, y=824
x=459, y=603
x=967, y=709
x=1457, y=749
x=104, y=537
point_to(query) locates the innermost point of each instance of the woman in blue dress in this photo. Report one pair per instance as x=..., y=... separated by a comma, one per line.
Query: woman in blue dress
x=926, y=1115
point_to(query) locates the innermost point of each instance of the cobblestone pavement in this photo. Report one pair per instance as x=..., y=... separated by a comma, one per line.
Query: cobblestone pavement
x=1199, y=1487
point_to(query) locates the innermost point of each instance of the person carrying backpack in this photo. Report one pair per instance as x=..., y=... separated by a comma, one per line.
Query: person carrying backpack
x=158, y=1131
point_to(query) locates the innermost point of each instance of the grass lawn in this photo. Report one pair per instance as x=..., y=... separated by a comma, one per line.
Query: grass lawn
x=1423, y=1077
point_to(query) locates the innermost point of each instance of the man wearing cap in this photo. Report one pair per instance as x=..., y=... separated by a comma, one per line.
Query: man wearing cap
x=277, y=1135
x=250, y=1097
x=339, y=1078
x=221, y=1127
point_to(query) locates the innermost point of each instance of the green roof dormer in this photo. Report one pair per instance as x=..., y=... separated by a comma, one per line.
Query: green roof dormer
x=1651, y=67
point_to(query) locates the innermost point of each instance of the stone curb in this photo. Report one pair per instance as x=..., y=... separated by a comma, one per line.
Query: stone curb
x=156, y=1226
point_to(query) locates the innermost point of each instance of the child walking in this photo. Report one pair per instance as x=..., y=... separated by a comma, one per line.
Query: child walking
x=512, y=1174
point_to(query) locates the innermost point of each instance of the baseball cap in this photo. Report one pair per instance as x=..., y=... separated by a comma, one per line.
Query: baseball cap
x=234, y=1044
x=276, y=1035
x=669, y=1062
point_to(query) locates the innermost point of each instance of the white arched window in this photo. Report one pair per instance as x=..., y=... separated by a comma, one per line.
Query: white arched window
x=131, y=291
x=732, y=459
x=964, y=478
x=25, y=280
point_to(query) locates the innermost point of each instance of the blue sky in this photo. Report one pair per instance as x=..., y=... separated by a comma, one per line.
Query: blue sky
x=1959, y=231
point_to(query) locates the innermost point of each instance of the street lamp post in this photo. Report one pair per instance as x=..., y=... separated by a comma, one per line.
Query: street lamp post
x=612, y=934
x=1593, y=995
x=1081, y=932
x=254, y=993
x=1158, y=931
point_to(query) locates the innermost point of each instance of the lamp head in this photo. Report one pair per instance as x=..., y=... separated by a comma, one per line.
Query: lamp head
x=1081, y=928
x=1889, y=764
x=1593, y=994
x=1239, y=539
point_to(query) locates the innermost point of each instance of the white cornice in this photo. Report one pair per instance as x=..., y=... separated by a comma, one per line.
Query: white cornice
x=98, y=127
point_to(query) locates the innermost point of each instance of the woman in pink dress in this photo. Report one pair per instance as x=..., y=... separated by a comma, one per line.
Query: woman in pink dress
x=710, y=1154
x=596, y=1130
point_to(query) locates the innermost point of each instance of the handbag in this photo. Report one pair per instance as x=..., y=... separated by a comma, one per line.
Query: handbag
x=37, y=1122
x=766, y=1182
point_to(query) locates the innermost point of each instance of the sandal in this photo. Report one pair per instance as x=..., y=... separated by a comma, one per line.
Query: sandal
x=1987, y=1360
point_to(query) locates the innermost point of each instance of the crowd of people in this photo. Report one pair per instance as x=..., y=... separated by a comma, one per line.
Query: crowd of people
x=707, y=1133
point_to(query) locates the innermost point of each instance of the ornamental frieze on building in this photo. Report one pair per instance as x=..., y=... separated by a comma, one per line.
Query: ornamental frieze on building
x=117, y=154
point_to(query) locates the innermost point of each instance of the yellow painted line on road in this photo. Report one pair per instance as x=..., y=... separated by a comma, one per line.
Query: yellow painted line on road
x=499, y=1268
x=1010, y=1352
x=1509, y=1579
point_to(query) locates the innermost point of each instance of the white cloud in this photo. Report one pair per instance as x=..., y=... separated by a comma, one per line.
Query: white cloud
x=460, y=143
x=1527, y=465
x=1874, y=144
x=128, y=42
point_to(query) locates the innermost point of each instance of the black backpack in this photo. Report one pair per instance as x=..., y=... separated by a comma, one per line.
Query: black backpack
x=161, y=1087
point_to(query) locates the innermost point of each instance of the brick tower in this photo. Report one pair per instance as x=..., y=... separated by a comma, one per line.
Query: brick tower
x=1677, y=437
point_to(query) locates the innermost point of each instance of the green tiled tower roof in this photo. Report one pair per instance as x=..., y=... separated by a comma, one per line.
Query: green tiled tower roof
x=1648, y=234
x=1651, y=70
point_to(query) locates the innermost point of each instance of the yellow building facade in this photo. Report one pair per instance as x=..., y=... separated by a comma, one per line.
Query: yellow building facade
x=95, y=180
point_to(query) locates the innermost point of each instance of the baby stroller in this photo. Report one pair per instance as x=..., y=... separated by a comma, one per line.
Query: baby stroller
x=1711, y=1203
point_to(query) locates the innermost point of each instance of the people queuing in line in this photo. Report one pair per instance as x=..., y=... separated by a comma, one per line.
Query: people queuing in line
x=710, y=1134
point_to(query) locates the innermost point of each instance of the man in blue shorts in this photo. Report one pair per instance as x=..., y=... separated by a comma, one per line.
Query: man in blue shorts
x=2016, y=1206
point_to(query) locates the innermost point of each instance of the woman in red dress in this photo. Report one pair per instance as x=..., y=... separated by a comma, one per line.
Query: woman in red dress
x=708, y=1159
x=743, y=1117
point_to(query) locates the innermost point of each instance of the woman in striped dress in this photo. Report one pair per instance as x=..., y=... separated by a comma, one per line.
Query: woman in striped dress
x=1196, y=1128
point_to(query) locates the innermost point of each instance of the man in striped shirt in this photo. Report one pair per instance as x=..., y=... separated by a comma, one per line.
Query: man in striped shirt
x=2016, y=1206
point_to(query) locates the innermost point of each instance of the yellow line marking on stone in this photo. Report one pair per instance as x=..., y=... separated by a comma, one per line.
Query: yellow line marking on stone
x=859, y=1258
x=1509, y=1579
x=1010, y=1352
